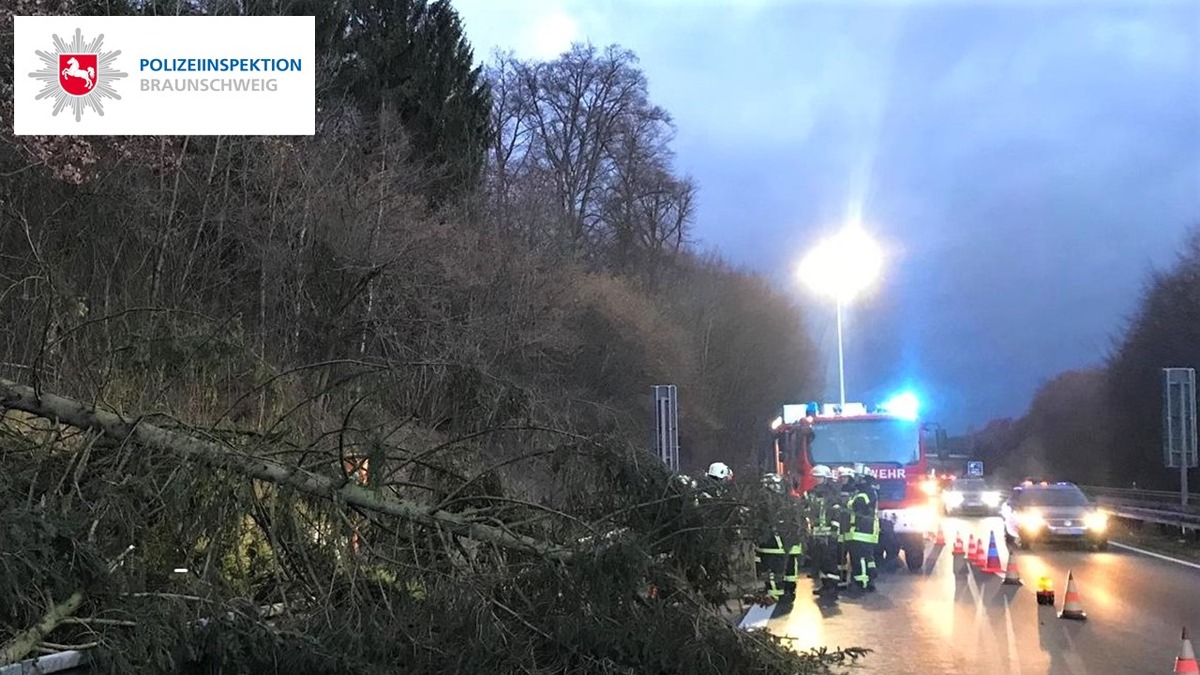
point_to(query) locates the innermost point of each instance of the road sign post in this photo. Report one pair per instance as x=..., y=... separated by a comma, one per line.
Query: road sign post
x=666, y=422
x=1179, y=424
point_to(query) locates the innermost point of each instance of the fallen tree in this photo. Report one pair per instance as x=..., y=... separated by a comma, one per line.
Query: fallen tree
x=364, y=579
x=81, y=416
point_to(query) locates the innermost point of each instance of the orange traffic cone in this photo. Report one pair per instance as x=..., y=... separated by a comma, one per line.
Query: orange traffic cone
x=972, y=548
x=1186, y=661
x=992, y=564
x=958, y=545
x=941, y=537
x=1045, y=591
x=1011, y=576
x=980, y=555
x=1072, y=608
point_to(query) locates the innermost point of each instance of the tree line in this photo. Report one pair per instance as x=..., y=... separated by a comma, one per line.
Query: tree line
x=423, y=334
x=1104, y=425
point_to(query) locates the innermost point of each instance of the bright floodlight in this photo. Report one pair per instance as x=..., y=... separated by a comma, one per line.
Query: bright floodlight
x=843, y=265
x=904, y=405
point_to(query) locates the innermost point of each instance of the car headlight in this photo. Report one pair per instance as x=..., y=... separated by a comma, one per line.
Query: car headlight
x=929, y=487
x=953, y=498
x=991, y=498
x=1031, y=520
x=1097, y=521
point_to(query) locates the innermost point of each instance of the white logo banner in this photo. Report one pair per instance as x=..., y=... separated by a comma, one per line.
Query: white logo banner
x=164, y=75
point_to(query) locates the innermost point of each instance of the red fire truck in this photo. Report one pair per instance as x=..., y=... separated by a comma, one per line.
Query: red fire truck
x=889, y=440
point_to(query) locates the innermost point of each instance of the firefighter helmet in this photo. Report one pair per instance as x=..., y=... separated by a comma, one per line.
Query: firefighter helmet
x=719, y=471
x=822, y=471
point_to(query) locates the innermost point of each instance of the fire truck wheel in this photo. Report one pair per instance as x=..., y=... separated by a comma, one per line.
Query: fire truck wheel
x=914, y=555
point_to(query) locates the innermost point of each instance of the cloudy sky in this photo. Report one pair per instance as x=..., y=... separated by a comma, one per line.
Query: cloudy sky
x=1026, y=164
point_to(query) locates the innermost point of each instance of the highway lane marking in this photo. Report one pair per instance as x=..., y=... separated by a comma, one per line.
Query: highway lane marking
x=1014, y=653
x=1152, y=554
x=761, y=616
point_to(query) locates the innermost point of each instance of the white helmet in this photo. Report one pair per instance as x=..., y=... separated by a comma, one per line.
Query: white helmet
x=719, y=471
x=845, y=472
x=822, y=471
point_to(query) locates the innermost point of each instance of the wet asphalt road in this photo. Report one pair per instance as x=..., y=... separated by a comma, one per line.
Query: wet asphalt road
x=940, y=622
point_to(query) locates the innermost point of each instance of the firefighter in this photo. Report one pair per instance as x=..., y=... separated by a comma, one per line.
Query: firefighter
x=778, y=542
x=845, y=490
x=863, y=534
x=719, y=476
x=823, y=506
x=792, y=529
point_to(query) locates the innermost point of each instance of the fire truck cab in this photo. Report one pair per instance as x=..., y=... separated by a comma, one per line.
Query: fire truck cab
x=889, y=439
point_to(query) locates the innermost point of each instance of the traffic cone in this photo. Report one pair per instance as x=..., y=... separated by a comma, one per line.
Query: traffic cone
x=1045, y=591
x=1186, y=661
x=972, y=548
x=1072, y=608
x=993, y=557
x=958, y=545
x=941, y=537
x=980, y=555
x=1011, y=576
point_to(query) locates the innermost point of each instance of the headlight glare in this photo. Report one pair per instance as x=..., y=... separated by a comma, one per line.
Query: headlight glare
x=953, y=498
x=991, y=498
x=1031, y=520
x=1096, y=521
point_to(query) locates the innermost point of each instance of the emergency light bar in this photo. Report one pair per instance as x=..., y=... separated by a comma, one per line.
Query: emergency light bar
x=834, y=410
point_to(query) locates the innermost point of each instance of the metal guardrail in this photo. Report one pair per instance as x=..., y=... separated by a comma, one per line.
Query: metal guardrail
x=1152, y=506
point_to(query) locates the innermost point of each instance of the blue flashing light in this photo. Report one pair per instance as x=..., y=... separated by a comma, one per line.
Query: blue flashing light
x=903, y=405
x=813, y=409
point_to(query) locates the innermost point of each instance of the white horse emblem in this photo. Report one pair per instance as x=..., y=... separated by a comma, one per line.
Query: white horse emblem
x=73, y=70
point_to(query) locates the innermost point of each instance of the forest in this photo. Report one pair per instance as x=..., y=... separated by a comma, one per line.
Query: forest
x=379, y=399
x=1103, y=425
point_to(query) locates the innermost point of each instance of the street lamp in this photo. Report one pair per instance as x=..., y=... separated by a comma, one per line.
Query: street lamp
x=842, y=266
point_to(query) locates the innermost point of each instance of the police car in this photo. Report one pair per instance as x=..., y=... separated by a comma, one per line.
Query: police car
x=1046, y=512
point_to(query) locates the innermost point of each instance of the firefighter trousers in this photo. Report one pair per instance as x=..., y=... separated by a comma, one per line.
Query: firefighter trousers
x=862, y=564
x=772, y=566
x=824, y=552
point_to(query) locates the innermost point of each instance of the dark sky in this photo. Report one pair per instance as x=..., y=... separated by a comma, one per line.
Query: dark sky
x=1025, y=164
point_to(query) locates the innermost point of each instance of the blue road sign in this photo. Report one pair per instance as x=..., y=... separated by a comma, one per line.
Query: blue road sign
x=974, y=468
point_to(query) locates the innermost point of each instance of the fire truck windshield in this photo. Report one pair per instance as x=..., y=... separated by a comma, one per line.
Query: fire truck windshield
x=867, y=441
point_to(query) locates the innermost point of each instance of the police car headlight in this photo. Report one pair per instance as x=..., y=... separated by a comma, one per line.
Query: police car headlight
x=1096, y=521
x=991, y=498
x=953, y=498
x=1031, y=520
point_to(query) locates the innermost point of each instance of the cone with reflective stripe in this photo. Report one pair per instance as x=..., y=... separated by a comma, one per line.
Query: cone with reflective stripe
x=980, y=559
x=1186, y=661
x=993, y=557
x=1072, y=608
x=972, y=548
x=1011, y=576
x=941, y=537
x=958, y=545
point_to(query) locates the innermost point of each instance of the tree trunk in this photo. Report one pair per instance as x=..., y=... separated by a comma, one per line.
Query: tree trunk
x=216, y=455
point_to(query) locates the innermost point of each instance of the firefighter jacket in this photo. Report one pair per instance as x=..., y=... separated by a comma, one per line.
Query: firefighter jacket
x=864, y=514
x=823, y=506
x=778, y=521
